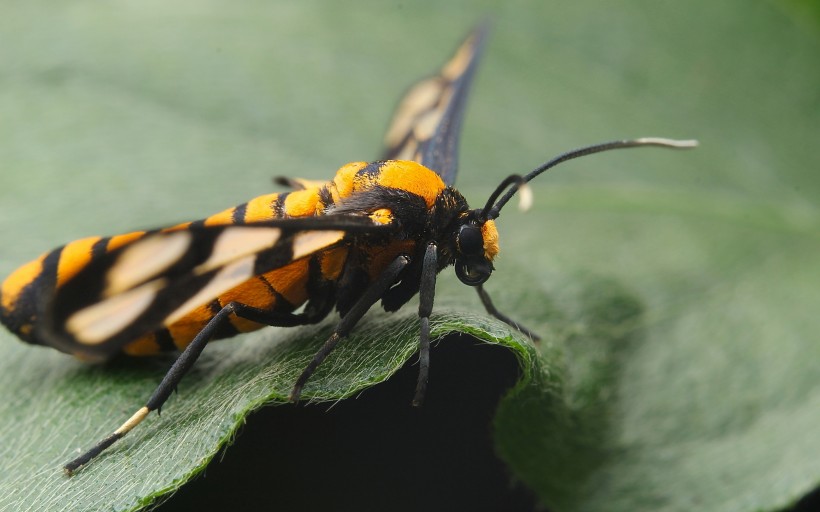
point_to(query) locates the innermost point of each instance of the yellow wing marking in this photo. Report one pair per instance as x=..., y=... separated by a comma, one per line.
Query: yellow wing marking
x=231, y=275
x=236, y=242
x=137, y=275
x=309, y=242
x=421, y=112
x=98, y=322
x=146, y=259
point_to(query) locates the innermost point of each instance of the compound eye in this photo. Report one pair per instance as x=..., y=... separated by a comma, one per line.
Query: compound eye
x=470, y=240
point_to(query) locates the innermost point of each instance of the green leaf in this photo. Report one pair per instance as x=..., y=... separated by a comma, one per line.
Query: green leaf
x=676, y=293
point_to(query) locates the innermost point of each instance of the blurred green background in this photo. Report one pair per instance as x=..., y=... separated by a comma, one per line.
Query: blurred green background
x=676, y=291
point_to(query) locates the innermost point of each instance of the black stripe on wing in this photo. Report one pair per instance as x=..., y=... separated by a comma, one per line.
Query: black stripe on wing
x=159, y=278
x=426, y=125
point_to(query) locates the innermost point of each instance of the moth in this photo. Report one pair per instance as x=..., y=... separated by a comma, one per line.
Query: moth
x=378, y=231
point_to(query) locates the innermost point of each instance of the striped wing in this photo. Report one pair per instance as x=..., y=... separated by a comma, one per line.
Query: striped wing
x=427, y=123
x=156, y=279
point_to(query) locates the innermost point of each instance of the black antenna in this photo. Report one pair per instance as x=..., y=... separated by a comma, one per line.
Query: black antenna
x=518, y=182
x=513, y=179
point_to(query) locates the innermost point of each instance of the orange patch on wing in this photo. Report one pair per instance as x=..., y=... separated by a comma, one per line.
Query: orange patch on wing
x=74, y=257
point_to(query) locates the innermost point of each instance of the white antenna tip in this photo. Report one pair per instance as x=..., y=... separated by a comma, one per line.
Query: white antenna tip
x=671, y=143
x=524, y=197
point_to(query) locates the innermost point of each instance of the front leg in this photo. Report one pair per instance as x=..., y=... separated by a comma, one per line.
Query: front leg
x=490, y=307
x=427, y=292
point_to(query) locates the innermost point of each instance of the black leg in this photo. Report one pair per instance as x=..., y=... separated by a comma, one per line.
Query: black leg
x=181, y=366
x=490, y=307
x=346, y=324
x=427, y=291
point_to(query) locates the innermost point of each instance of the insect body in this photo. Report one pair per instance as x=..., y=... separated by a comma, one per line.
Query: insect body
x=98, y=285
x=378, y=231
